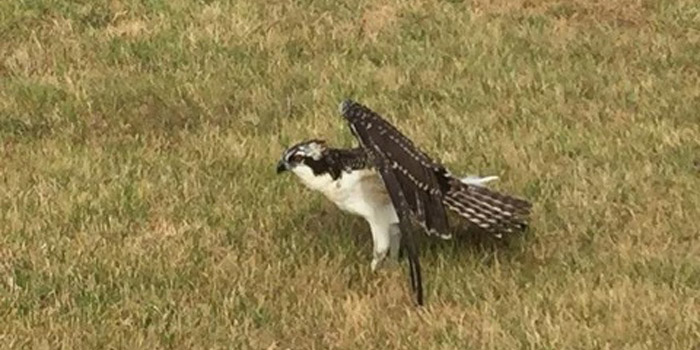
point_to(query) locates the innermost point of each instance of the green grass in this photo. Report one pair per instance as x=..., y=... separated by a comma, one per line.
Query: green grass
x=139, y=208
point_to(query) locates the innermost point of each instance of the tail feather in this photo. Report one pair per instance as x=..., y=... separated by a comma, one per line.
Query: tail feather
x=478, y=180
x=492, y=211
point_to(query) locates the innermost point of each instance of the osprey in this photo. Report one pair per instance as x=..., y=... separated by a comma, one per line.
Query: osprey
x=391, y=183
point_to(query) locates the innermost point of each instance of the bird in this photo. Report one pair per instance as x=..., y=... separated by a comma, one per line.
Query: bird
x=393, y=185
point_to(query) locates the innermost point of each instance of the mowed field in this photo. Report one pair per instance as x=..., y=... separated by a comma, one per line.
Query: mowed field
x=140, y=209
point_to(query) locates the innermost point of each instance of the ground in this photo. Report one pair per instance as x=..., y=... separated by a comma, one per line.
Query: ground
x=140, y=209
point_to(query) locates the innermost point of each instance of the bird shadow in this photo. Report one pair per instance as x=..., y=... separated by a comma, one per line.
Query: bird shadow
x=469, y=239
x=331, y=230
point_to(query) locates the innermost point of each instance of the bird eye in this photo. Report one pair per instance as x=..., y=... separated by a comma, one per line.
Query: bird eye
x=297, y=158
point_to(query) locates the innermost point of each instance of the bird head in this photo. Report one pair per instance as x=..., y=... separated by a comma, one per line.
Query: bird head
x=304, y=154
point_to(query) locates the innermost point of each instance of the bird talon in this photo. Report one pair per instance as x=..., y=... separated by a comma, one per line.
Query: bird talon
x=378, y=261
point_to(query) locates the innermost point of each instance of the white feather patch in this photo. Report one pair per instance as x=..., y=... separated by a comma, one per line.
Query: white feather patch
x=477, y=180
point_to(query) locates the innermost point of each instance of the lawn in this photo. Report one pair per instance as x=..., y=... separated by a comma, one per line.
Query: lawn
x=140, y=209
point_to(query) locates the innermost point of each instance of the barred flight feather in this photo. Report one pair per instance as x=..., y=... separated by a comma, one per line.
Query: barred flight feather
x=419, y=186
x=428, y=185
x=412, y=169
x=492, y=211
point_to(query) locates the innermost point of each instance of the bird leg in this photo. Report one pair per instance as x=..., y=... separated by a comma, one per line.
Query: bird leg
x=378, y=259
x=395, y=242
x=382, y=240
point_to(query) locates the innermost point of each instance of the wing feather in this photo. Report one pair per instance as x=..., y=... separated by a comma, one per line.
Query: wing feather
x=421, y=180
x=421, y=188
x=408, y=240
x=401, y=205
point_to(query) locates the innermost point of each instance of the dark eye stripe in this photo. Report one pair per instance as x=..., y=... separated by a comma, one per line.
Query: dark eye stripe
x=290, y=155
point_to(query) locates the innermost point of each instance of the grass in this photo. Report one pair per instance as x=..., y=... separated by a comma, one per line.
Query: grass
x=139, y=207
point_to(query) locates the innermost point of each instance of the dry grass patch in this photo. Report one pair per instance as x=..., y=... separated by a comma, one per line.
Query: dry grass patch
x=140, y=208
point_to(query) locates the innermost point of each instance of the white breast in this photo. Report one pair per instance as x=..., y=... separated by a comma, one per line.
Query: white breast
x=359, y=192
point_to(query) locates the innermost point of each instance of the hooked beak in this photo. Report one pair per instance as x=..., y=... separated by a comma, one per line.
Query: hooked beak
x=282, y=166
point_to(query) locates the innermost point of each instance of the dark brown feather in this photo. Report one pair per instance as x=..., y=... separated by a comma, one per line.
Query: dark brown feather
x=421, y=180
x=428, y=186
x=421, y=188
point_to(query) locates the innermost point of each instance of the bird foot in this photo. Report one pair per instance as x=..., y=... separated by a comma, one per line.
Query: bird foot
x=377, y=261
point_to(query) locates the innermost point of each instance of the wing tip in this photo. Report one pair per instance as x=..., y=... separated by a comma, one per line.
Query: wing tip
x=345, y=106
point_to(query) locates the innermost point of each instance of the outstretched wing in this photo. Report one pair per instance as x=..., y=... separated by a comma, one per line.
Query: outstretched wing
x=402, y=211
x=429, y=187
x=422, y=181
x=411, y=178
x=422, y=188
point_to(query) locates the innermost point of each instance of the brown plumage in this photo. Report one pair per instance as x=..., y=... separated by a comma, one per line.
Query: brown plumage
x=421, y=188
x=391, y=182
x=428, y=186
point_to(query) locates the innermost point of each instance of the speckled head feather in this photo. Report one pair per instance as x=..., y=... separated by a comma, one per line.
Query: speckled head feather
x=313, y=149
x=322, y=159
